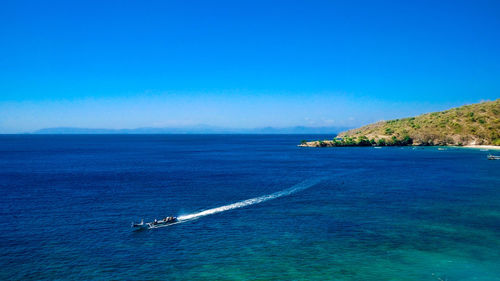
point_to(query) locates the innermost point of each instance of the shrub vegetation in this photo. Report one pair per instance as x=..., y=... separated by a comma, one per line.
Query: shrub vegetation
x=470, y=124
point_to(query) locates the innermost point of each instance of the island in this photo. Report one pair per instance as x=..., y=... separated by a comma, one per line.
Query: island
x=469, y=125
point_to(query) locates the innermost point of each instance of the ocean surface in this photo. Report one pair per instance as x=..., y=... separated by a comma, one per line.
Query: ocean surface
x=67, y=203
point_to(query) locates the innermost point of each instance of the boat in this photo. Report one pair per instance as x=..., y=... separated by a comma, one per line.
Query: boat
x=155, y=224
x=140, y=225
x=493, y=157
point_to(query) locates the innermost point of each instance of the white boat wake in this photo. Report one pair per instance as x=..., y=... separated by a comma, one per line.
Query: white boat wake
x=296, y=188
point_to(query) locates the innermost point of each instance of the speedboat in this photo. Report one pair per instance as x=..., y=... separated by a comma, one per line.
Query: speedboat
x=138, y=226
x=493, y=157
x=154, y=224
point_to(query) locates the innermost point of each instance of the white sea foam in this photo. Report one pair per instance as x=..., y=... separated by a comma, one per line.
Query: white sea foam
x=296, y=188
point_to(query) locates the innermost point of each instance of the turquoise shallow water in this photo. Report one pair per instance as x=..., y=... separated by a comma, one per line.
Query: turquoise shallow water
x=375, y=214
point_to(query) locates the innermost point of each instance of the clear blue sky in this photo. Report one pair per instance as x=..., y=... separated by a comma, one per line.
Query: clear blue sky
x=121, y=64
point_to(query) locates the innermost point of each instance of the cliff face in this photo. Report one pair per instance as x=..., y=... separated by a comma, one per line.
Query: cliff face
x=475, y=124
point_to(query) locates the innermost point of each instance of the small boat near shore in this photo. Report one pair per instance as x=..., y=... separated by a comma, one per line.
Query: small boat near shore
x=493, y=157
x=155, y=224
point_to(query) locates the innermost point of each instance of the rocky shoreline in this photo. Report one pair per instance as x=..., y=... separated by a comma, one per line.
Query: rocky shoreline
x=333, y=143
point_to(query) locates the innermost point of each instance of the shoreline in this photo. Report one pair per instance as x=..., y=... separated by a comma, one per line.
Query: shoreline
x=495, y=147
x=316, y=144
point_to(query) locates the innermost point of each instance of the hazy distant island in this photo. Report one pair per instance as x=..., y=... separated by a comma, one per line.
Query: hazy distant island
x=469, y=125
x=196, y=129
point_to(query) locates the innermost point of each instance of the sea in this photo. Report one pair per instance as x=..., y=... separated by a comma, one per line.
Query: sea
x=254, y=207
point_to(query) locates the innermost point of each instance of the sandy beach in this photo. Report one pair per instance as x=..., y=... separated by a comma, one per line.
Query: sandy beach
x=494, y=147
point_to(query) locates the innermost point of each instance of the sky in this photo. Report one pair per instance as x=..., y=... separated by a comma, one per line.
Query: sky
x=241, y=64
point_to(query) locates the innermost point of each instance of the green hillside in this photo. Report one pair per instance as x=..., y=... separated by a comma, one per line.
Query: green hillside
x=475, y=124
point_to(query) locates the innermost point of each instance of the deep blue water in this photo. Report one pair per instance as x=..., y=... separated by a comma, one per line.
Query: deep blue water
x=377, y=214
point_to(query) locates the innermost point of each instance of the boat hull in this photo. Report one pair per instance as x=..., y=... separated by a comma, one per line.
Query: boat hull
x=156, y=224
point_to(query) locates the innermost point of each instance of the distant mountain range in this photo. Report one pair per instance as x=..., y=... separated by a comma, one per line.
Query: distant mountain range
x=200, y=129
